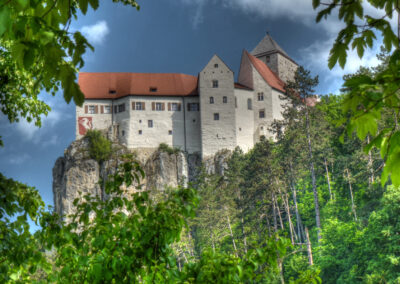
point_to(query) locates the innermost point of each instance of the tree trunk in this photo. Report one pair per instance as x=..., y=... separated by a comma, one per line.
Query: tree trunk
x=353, y=206
x=300, y=232
x=328, y=178
x=239, y=197
x=371, y=179
x=287, y=209
x=274, y=214
x=309, y=251
x=314, y=185
x=231, y=233
x=279, y=213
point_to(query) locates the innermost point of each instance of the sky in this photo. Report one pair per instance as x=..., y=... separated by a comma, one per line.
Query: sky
x=172, y=36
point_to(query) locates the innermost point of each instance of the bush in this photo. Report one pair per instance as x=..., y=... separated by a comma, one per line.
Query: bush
x=100, y=147
x=167, y=149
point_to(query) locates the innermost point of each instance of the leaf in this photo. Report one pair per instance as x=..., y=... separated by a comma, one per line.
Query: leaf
x=5, y=19
x=29, y=58
x=83, y=5
x=315, y=3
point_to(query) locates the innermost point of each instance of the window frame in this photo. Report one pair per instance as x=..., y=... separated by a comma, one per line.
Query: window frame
x=215, y=83
x=260, y=96
x=150, y=123
x=216, y=116
x=261, y=111
x=224, y=99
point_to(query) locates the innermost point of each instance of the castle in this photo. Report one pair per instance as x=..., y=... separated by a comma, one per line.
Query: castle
x=202, y=114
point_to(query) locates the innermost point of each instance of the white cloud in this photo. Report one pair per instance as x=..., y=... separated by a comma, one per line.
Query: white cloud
x=315, y=58
x=19, y=159
x=96, y=33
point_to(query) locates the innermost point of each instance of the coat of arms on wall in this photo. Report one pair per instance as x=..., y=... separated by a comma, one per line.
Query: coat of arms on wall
x=85, y=123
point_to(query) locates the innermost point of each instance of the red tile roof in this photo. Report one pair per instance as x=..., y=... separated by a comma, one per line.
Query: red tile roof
x=101, y=85
x=240, y=86
x=269, y=76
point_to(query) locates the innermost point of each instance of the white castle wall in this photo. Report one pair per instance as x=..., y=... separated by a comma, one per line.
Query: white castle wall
x=244, y=120
x=217, y=134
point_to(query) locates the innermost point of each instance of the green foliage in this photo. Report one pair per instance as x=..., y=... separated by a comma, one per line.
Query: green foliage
x=38, y=52
x=100, y=148
x=20, y=253
x=163, y=147
x=369, y=94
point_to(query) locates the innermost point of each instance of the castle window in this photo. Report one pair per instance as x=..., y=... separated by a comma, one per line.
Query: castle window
x=249, y=104
x=261, y=113
x=123, y=132
x=216, y=116
x=92, y=109
x=193, y=107
x=169, y=132
x=140, y=132
x=138, y=106
x=157, y=106
x=107, y=109
x=240, y=129
x=174, y=106
x=215, y=83
x=260, y=96
x=211, y=100
x=216, y=65
x=267, y=59
x=150, y=123
x=121, y=108
x=153, y=89
x=225, y=99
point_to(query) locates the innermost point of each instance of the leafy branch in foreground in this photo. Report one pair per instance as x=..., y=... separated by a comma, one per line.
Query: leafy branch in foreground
x=38, y=52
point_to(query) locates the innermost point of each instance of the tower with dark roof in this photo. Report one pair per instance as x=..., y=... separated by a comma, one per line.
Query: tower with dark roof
x=268, y=51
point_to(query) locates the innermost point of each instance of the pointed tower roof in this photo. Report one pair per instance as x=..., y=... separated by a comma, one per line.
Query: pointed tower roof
x=267, y=45
x=268, y=75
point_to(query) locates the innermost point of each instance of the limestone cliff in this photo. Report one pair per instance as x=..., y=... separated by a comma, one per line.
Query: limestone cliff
x=76, y=172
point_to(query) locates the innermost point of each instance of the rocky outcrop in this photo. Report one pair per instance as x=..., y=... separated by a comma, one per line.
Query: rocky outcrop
x=76, y=172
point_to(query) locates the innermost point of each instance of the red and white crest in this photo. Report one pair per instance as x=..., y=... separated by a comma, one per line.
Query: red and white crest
x=85, y=123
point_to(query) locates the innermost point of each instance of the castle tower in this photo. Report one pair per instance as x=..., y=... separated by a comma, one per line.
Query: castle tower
x=276, y=58
x=217, y=107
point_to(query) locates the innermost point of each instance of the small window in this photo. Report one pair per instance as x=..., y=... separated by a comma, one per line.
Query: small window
x=107, y=109
x=216, y=65
x=267, y=59
x=150, y=123
x=216, y=116
x=249, y=104
x=153, y=89
x=138, y=106
x=140, y=121
x=175, y=107
x=260, y=96
x=261, y=113
x=215, y=83
x=194, y=120
x=140, y=132
x=240, y=129
x=225, y=99
x=159, y=106
x=262, y=127
x=211, y=100
x=169, y=132
x=193, y=107
x=92, y=110
x=121, y=108
x=112, y=91
x=123, y=132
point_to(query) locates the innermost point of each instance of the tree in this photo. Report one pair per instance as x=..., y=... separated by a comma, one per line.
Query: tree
x=369, y=95
x=38, y=52
x=301, y=90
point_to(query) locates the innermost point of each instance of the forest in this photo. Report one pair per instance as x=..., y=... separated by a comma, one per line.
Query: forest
x=318, y=203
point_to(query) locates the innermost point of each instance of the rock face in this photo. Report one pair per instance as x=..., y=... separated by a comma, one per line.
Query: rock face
x=76, y=172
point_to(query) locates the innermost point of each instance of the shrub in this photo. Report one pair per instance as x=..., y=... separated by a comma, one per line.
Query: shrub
x=100, y=147
x=167, y=149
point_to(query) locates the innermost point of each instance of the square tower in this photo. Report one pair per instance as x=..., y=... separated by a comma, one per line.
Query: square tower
x=217, y=107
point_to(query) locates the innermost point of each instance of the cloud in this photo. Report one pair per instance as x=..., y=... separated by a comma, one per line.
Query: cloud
x=19, y=159
x=315, y=58
x=96, y=33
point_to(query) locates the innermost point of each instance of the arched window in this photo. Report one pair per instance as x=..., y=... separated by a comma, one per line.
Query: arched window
x=249, y=104
x=211, y=100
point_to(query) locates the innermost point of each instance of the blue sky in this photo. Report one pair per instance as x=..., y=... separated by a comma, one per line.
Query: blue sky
x=178, y=36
